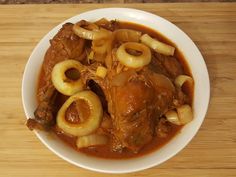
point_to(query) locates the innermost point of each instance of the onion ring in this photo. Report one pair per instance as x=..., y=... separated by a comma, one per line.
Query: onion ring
x=182, y=116
x=93, y=34
x=60, y=81
x=181, y=79
x=90, y=124
x=185, y=114
x=173, y=117
x=131, y=60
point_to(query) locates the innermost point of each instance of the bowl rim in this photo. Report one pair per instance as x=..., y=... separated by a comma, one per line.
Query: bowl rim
x=49, y=35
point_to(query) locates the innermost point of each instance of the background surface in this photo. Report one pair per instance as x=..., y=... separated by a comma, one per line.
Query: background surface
x=102, y=1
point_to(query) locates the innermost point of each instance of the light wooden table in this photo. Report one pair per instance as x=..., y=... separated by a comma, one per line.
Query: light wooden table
x=212, y=152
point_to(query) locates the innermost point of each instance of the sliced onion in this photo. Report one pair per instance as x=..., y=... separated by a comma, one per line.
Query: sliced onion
x=91, y=140
x=133, y=61
x=63, y=84
x=93, y=34
x=183, y=115
x=101, y=71
x=173, y=117
x=181, y=79
x=99, y=46
x=158, y=46
x=127, y=35
x=161, y=81
x=102, y=46
x=90, y=124
x=91, y=55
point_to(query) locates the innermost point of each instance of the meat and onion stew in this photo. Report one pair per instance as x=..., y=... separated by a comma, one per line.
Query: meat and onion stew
x=113, y=89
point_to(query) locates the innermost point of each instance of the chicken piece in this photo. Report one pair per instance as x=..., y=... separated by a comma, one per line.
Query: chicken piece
x=157, y=66
x=64, y=45
x=132, y=113
x=135, y=106
x=164, y=90
x=169, y=66
x=106, y=24
x=45, y=112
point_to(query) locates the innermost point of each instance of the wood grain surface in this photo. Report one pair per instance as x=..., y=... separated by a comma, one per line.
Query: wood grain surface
x=100, y=1
x=212, y=152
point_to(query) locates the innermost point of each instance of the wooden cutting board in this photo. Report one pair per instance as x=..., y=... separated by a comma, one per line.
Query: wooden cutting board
x=212, y=152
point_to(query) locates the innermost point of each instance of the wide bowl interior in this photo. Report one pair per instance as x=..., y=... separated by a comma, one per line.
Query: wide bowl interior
x=200, y=104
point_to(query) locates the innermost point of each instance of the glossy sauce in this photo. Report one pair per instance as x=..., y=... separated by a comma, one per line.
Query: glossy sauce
x=157, y=142
x=105, y=152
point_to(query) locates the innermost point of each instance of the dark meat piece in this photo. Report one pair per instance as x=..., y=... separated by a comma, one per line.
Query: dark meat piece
x=168, y=65
x=45, y=112
x=64, y=45
x=157, y=67
x=135, y=106
x=109, y=25
x=132, y=114
x=164, y=90
x=33, y=124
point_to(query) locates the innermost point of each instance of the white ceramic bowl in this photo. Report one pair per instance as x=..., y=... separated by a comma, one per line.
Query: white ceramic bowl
x=200, y=105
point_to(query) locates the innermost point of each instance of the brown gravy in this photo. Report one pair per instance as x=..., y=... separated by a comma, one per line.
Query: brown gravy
x=105, y=152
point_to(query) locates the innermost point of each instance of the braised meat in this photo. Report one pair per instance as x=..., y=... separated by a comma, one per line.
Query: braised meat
x=135, y=106
x=112, y=89
x=169, y=66
x=45, y=112
x=64, y=45
x=132, y=111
